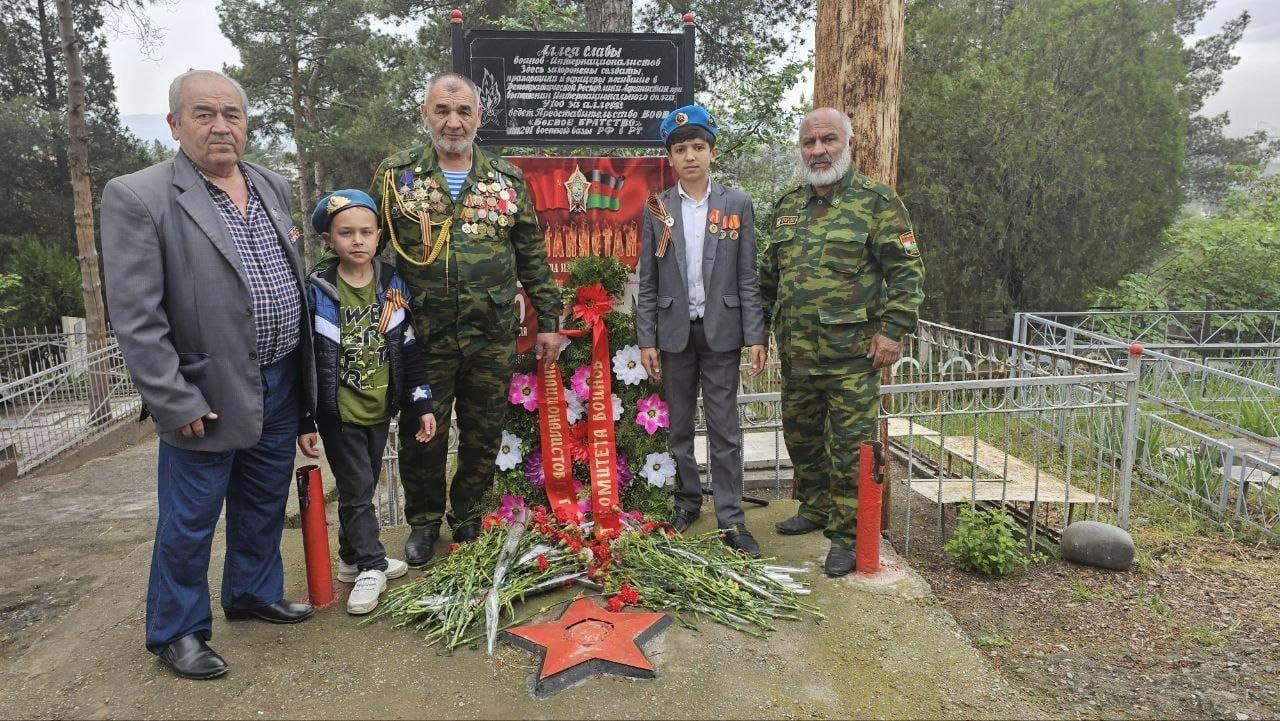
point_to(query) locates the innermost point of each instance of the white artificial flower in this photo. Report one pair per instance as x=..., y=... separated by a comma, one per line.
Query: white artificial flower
x=575, y=408
x=627, y=366
x=617, y=406
x=509, y=455
x=659, y=468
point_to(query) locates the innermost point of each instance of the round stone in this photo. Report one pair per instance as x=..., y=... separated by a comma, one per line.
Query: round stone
x=1101, y=545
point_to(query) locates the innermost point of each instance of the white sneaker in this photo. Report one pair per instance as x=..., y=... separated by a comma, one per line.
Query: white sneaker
x=395, y=569
x=364, y=595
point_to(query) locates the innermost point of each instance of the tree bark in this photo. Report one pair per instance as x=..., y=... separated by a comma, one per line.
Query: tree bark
x=78, y=159
x=858, y=70
x=608, y=16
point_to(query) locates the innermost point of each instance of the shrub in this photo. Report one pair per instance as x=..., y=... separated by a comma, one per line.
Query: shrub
x=985, y=542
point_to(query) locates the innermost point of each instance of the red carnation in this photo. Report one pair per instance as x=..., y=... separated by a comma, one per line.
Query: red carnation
x=629, y=595
x=614, y=604
x=452, y=547
x=542, y=562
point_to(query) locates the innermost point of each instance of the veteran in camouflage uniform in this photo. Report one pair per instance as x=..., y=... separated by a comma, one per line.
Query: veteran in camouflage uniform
x=841, y=278
x=462, y=228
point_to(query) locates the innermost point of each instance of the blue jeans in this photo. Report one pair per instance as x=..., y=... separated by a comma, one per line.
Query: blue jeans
x=192, y=486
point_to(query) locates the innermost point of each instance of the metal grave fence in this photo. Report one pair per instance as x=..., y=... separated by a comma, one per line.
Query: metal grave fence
x=62, y=401
x=1208, y=436
x=969, y=419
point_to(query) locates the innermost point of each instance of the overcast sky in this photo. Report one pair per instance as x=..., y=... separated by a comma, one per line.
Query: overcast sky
x=192, y=39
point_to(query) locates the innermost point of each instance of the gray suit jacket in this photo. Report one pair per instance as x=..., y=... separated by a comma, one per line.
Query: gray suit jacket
x=179, y=302
x=734, y=316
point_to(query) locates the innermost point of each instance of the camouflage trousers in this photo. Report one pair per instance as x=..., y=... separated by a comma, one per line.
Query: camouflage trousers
x=824, y=419
x=478, y=383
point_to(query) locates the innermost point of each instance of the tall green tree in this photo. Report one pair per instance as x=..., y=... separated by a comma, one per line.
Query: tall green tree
x=1216, y=162
x=36, y=184
x=1042, y=147
x=1242, y=236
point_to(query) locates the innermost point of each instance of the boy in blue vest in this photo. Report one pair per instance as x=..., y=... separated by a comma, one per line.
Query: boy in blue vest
x=368, y=366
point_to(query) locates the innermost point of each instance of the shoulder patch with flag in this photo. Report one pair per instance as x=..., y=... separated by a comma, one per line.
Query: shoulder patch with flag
x=908, y=241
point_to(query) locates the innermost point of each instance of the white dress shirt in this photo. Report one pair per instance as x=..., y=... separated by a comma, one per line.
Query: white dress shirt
x=694, y=217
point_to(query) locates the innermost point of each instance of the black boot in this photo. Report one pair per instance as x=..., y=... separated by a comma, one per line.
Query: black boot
x=465, y=532
x=796, y=525
x=840, y=561
x=683, y=520
x=421, y=544
x=740, y=539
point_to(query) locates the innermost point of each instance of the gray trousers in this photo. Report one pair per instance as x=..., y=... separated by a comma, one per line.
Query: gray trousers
x=717, y=373
x=354, y=453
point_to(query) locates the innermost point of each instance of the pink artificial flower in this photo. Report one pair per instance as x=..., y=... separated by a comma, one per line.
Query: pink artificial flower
x=581, y=382
x=524, y=391
x=511, y=507
x=652, y=414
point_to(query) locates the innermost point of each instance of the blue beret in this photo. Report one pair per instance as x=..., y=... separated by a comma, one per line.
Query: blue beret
x=688, y=115
x=336, y=202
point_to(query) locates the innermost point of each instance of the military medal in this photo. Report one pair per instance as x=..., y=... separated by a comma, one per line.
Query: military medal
x=733, y=222
x=713, y=218
x=418, y=190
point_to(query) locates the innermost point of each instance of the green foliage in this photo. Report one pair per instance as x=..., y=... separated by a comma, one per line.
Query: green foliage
x=1042, y=147
x=749, y=59
x=1215, y=163
x=36, y=183
x=48, y=287
x=1234, y=255
x=985, y=542
x=608, y=272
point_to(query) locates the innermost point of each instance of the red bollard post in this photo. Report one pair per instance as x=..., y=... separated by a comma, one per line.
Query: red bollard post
x=315, y=536
x=870, y=496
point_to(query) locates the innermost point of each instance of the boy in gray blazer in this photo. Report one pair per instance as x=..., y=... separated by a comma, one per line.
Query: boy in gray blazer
x=698, y=305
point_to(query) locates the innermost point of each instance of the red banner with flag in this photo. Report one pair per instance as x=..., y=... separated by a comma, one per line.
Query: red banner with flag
x=592, y=206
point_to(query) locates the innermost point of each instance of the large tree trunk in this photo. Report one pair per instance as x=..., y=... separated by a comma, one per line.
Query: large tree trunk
x=78, y=158
x=608, y=16
x=858, y=69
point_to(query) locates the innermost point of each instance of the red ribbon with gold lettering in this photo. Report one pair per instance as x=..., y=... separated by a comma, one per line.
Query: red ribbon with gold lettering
x=591, y=305
x=553, y=427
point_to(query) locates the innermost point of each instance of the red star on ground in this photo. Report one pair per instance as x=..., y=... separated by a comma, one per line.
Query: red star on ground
x=588, y=633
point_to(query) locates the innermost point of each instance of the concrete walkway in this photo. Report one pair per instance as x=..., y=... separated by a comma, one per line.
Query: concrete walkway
x=879, y=654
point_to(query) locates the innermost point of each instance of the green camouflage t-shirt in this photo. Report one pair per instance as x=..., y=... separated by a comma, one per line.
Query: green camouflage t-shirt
x=363, y=372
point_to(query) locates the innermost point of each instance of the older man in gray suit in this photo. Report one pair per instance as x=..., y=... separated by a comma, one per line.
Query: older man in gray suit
x=205, y=292
x=698, y=305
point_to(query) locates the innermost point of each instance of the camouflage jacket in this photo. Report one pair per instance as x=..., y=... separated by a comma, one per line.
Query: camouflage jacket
x=464, y=281
x=835, y=271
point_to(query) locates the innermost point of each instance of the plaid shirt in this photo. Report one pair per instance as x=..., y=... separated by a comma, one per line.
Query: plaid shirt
x=277, y=301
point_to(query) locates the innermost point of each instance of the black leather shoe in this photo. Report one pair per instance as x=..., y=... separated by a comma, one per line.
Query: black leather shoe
x=839, y=561
x=278, y=612
x=796, y=525
x=740, y=539
x=468, y=531
x=421, y=544
x=191, y=657
x=683, y=520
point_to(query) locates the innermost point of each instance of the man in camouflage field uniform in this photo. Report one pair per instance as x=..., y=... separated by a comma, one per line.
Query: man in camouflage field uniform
x=841, y=279
x=462, y=226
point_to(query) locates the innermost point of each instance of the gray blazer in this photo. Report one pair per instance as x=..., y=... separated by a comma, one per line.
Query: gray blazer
x=179, y=302
x=734, y=316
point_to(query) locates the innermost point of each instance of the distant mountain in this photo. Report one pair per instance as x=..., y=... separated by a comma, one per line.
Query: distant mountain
x=149, y=127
